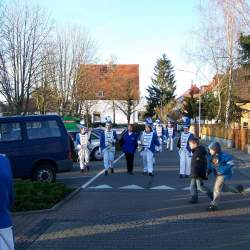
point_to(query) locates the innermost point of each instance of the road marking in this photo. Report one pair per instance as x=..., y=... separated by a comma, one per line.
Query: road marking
x=104, y=186
x=100, y=173
x=163, y=187
x=131, y=187
x=186, y=188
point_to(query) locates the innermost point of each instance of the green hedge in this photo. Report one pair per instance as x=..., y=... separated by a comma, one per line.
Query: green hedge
x=34, y=195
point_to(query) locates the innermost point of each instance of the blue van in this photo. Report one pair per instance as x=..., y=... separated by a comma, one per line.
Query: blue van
x=37, y=146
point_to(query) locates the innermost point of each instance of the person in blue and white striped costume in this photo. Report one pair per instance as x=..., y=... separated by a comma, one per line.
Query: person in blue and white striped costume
x=159, y=130
x=170, y=134
x=185, y=151
x=147, y=144
x=82, y=143
x=107, y=144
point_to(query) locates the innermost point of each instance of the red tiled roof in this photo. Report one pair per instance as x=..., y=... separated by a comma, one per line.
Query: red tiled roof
x=110, y=78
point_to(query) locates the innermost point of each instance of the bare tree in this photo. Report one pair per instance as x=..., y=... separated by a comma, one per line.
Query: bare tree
x=85, y=93
x=73, y=48
x=129, y=99
x=221, y=24
x=23, y=33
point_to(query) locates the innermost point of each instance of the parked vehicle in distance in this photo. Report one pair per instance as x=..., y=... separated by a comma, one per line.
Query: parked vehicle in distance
x=38, y=146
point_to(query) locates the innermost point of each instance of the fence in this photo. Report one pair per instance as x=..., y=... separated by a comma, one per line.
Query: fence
x=230, y=137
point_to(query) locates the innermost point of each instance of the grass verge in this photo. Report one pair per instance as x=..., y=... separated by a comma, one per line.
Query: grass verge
x=33, y=195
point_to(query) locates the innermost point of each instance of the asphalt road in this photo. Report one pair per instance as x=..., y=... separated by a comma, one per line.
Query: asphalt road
x=136, y=212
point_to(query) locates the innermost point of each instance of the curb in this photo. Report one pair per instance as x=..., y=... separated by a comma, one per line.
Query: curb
x=54, y=208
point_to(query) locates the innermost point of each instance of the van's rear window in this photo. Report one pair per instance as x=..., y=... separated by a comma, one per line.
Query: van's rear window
x=42, y=129
x=10, y=131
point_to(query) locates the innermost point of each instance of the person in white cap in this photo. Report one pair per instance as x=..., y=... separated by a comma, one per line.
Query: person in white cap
x=82, y=144
x=185, y=151
x=107, y=145
x=170, y=134
x=159, y=130
x=147, y=144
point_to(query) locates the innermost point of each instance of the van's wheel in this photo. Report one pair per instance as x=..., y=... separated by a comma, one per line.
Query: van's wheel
x=97, y=155
x=44, y=172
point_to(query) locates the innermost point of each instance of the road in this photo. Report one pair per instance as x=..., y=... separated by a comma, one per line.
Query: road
x=139, y=212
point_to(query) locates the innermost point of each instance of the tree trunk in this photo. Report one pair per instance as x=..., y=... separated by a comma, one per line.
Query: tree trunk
x=229, y=96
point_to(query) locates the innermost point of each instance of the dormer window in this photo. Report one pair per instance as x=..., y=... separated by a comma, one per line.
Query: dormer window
x=101, y=93
x=104, y=69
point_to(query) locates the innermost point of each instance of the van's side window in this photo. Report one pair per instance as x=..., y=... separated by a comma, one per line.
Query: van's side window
x=42, y=129
x=10, y=131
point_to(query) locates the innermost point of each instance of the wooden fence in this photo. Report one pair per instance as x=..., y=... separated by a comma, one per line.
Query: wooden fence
x=237, y=138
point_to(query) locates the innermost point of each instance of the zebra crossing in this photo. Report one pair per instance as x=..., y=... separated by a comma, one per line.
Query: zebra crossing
x=137, y=187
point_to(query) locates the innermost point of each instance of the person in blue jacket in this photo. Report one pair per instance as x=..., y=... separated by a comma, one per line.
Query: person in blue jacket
x=221, y=165
x=148, y=143
x=107, y=145
x=129, y=145
x=6, y=202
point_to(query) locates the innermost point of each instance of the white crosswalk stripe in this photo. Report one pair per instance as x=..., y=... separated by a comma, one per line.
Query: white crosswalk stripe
x=131, y=187
x=163, y=187
x=104, y=186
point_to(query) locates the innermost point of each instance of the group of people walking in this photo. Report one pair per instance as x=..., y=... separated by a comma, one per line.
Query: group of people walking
x=195, y=161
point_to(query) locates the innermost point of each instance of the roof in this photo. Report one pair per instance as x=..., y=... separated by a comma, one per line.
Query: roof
x=111, y=79
x=192, y=90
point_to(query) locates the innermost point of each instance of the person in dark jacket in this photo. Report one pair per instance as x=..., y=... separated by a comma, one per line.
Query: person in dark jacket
x=6, y=202
x=198, y=170
x=129, y=146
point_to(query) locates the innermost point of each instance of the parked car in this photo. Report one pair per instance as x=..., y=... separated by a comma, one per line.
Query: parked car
x=38, y=146
x=95, y=153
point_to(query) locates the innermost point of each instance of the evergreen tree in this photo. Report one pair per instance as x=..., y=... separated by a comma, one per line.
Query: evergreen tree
x=162, y=89
x=244, y=43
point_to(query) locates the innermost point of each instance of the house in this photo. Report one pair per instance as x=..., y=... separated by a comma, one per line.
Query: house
x=240, y=90
x=108, y=88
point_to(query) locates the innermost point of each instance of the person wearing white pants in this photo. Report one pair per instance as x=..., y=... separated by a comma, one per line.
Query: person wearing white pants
x=185, y=152
x=170, y=134
x=159, y=130
x=82, y=143
x=147, y=144
x=6, y=201
x=107, y=145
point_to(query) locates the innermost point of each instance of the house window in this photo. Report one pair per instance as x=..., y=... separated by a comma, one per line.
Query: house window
x=104, y=69
x=100, y=93
x=140, y=116
x=96, y=117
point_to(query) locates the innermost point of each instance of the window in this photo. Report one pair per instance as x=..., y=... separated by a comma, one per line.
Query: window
x=101, y=93
x=42, y=129
x=10, y=132
x=104, y=69
x=93, y=137
x=96, y=117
